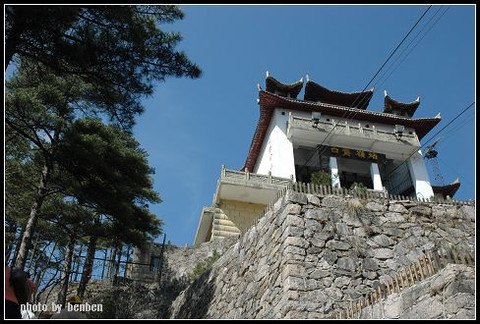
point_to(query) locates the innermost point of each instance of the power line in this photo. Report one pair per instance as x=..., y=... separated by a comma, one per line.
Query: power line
x=404, y=38
x=431, y=138
x=467, y=119
x=360, y=95
x=411, y=50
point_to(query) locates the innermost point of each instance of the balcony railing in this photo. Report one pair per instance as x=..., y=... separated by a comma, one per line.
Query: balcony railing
x=348, y=129
x=252, y=178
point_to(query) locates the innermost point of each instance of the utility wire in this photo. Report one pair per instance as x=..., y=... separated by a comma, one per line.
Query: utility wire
x=431, y=138
x=467, y=119
x=360, y=95
x=411, y=50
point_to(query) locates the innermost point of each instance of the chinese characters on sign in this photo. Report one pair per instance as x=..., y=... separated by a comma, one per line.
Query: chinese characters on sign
x=351, y=153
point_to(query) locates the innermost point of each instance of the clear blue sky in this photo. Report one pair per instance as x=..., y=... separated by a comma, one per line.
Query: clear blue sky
x=192, y=127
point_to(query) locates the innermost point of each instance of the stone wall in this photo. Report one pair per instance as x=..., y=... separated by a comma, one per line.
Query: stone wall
x=450, y=294
x=182, y=260
x=311, y=256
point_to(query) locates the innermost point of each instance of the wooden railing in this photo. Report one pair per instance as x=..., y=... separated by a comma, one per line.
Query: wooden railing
x=427, y=265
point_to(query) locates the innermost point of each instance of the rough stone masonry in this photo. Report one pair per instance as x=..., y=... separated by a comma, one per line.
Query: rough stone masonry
x=311, y=256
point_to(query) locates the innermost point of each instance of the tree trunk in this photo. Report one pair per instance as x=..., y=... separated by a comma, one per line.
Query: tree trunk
x=88, y=266
x=105, y=253
x=119, y=257
x=32, y=255
x=111, y=262
x=126, y=262
x=62, y=295
x=32, y=220
x=41, y=272
x=77, y=263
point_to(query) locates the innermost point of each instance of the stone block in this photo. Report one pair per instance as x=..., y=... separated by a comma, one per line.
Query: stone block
x=296, y=241
x=392, y=307
x=323, y=235
x=381, y=253
x=296, y=197
x=382, y=240
x=369, y=264
x=293, y=220
x=346, y=263
x=313, y=225
x=395, y=217
x=295, y=283
x=319, y=274
x=313, y=200
x=375, y=206
x=421, y=210
x=338, y=245
x=294, y=250
x=467, y=212
x=342, y=228
x=342, y=282
x=315, y=241
x=334, y=293
x=292, y=231
x=329, y=256
x=334, y=201
x=398, y=208
x=294, y=270
x=317, y=214
x=293, y=209
x=359, y=232
x=314, y=250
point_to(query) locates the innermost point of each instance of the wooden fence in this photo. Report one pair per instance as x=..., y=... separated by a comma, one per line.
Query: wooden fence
x=427, y=265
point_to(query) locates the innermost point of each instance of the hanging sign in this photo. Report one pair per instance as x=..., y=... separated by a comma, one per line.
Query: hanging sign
x=348, y=153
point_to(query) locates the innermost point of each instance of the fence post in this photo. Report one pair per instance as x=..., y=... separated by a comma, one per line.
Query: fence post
x=421, y=268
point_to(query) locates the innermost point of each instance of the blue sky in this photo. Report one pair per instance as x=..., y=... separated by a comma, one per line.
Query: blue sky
x=192, y=127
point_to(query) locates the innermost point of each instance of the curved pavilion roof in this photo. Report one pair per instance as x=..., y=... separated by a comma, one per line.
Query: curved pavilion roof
x=447, y=190
x=392, y=106
x=318, y=93
x=282, y=89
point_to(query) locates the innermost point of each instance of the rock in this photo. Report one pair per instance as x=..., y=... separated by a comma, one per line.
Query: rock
x=394, y=217
x=382, y=240
x=342, y=281
x=293, y=209
x=313, y=200
x=295, y=197
x=296, y=241
x=318, y=274
x=338, y=245
x=334, y=202
x=294, y=270
x=346, y=263
x=421, y=210
x=398, y=208
x=381, y=253
x=293, y=220
x=342, y=229
x=375, y=206
x=467, y=212
x=369, y=264
x=317, y=214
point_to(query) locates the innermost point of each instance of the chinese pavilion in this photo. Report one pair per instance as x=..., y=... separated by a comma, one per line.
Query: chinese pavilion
x=328, y=131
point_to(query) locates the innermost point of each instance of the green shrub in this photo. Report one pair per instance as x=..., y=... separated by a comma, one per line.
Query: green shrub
x=203, y=266
x=321, y=178
x=359, y=188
